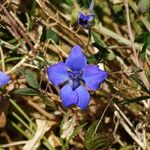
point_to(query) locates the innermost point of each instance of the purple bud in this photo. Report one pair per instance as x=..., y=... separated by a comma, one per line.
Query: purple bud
x=86, y=21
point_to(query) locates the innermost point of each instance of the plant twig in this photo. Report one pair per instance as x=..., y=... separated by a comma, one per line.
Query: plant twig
x=42, y=111
x=13, y=144
x=17, y=65
x=128, y=130
x=2, y=59
x=137, y=62
x=131, y=34
x=100, y=29
x=16, y=27
x=102, y=115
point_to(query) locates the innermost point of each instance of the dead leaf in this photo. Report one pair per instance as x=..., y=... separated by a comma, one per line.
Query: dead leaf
x=42, y=127
x=3, y=109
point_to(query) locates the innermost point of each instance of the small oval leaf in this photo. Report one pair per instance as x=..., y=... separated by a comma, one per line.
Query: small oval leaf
x=30, y=78
x=26, y=92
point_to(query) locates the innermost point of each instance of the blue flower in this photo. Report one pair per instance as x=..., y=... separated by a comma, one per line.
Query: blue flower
x=73, y=75
x=86, y=21
x=4, y=79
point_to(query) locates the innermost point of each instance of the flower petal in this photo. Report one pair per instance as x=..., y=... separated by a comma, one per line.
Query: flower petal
x=84, y=97
x=89, y=17
x=82, y=19
x=77, y=60
x=86, y=21
x=91, y=6
x=68, y=96
x=4, y=79
x=58, y=73
x=81, y=15
x=93, y=76
x=90, y=21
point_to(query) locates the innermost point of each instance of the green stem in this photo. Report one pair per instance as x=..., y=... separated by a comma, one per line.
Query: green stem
x=104, y=31
x=22, y=121
x=20, y=130
x=21, y=111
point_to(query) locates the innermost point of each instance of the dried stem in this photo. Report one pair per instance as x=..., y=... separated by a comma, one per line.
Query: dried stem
x=131, y=34
x=13, y=144
x=2, y=59
x=42, y=111
x=137, y=62
x=102, y=116
x=16, y=27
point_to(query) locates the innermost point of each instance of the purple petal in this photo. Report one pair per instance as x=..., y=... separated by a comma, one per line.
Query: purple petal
x=68, y=96
x=82, y=21
x=93, y=76
x=58, y=73
x=4, y=79
x=76, y=60
x=91, y=6
x=84, y=97
x=86, y=20
x=90, y=21
x=89, y=17
x=81, y=15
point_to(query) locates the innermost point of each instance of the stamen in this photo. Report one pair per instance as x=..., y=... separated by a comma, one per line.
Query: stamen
x=75, y=77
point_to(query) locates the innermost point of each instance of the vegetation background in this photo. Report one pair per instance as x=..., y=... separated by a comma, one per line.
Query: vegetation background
x=37, y=33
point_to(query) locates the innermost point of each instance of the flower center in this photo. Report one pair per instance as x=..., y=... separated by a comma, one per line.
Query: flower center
x=75, y=75
x=76, y=79
x=83, y=21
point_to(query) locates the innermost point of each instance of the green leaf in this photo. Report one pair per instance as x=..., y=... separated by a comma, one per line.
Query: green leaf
x=26, y=92
x=48, y=102
x=75, y=132
x=143, y=38
x=1, y=148
x=99, y=56
x=134, y=100
x=118, y=13
x=34, y=6
x=92, y=60
x=84, y=3
x=50, y=34
x=135, y=77
x=133, y=5
x=30, y=78
x=69, y=2
x=96, y=141
x=97, y=39
x=111, y=56
x=143, y=52
x=91, y=130
x=144, y=6
x=128, y=147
